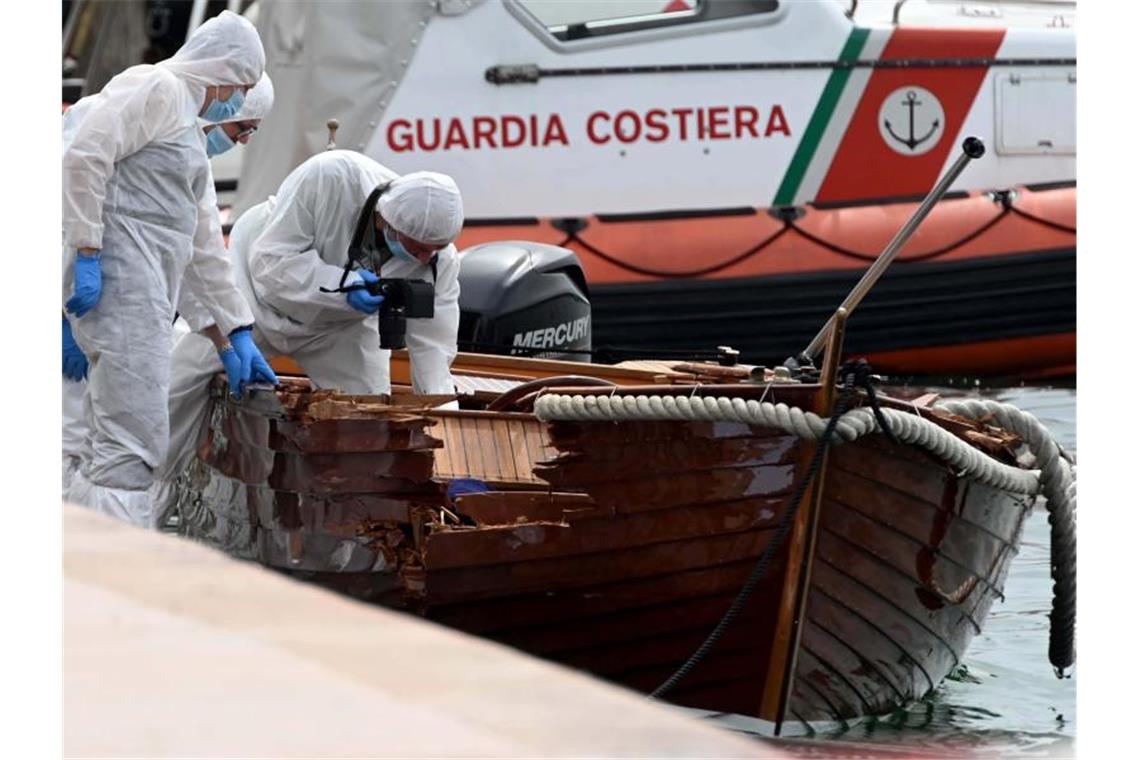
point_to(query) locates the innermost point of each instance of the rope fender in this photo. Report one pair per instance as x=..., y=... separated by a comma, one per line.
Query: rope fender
x=851, y=426
x=1056, y=479
x=1059, y=487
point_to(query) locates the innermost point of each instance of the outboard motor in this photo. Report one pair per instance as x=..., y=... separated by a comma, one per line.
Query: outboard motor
x=525, y=299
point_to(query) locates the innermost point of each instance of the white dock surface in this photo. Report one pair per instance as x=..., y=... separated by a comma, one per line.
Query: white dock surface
x=173, y=649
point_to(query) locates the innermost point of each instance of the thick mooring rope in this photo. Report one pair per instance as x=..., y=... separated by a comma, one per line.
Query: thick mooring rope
x=1059, y=487
x=1056, y=479
x=852, y=425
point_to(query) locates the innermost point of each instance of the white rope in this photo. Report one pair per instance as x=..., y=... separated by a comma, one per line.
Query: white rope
x=1058, y=477
x=856, y=423
x=1059, y=487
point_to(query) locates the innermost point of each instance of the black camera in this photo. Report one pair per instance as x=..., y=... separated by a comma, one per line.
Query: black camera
x=403, y=300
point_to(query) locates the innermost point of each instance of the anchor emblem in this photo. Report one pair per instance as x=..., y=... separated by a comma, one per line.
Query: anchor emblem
x=912, y=142
x=904, y=111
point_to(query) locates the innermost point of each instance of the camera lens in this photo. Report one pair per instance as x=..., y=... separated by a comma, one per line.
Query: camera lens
x=393, y=329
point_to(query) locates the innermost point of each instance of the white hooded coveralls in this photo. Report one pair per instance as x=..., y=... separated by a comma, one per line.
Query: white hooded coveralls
x=258, y=104
x=137, y=185
x=284, y=250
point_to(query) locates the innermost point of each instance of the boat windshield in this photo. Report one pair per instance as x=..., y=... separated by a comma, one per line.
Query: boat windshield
x=595, y=18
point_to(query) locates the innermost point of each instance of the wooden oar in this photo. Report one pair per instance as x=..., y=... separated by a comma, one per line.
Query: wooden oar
x=972, y=148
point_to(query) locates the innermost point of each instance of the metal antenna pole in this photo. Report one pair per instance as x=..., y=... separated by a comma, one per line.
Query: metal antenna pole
x=972, y=148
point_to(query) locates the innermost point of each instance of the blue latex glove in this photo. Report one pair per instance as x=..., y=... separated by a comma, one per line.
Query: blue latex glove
x=232, y=363
x=88, y=284
x=244, y=363
x=362, y=300
x=74, y=362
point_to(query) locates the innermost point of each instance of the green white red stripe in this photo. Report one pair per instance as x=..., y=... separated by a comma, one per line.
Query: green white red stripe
x=842, y=155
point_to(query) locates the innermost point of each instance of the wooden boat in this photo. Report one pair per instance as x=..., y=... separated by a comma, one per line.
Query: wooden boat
x=615, y=547
x=689, y=530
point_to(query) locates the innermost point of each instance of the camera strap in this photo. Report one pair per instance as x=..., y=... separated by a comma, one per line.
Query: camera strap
x=356, y=252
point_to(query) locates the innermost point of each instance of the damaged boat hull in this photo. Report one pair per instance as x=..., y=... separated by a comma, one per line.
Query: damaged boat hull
x=616, y=548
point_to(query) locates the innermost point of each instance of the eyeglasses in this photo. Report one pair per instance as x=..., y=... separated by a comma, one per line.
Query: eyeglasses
x=246, y=130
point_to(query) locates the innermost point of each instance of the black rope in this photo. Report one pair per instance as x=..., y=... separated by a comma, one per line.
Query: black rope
x=789, y=224
x=760, y=569
x=1063, y=570
x=864, y=378
x=833, y=247
x=679, y=275
x=1042, y=220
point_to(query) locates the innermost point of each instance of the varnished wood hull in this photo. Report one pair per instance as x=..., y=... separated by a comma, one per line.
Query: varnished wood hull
x=628, y=547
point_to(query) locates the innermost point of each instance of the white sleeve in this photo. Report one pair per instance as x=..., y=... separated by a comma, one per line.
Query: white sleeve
x=114, y=126
x=432, y=343
x=285, y=264
x=210, y=274
x=191, y=310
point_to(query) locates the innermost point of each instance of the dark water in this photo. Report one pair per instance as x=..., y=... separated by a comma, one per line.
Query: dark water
x=1006, y=701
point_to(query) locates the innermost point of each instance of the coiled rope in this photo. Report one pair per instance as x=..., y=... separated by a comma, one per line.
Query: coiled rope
x=1055, y=480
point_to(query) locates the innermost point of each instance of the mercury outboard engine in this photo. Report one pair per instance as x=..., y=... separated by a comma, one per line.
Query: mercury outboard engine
x=523, y=298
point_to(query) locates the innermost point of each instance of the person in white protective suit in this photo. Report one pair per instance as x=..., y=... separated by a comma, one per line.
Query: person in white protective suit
x=288, y=247
x=139, y=218
x=237, y=129
x=226, y=133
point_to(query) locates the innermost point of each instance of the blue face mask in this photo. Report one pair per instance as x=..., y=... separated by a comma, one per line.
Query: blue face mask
x=225, y=110
x=217, y=141
x=397, y=248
